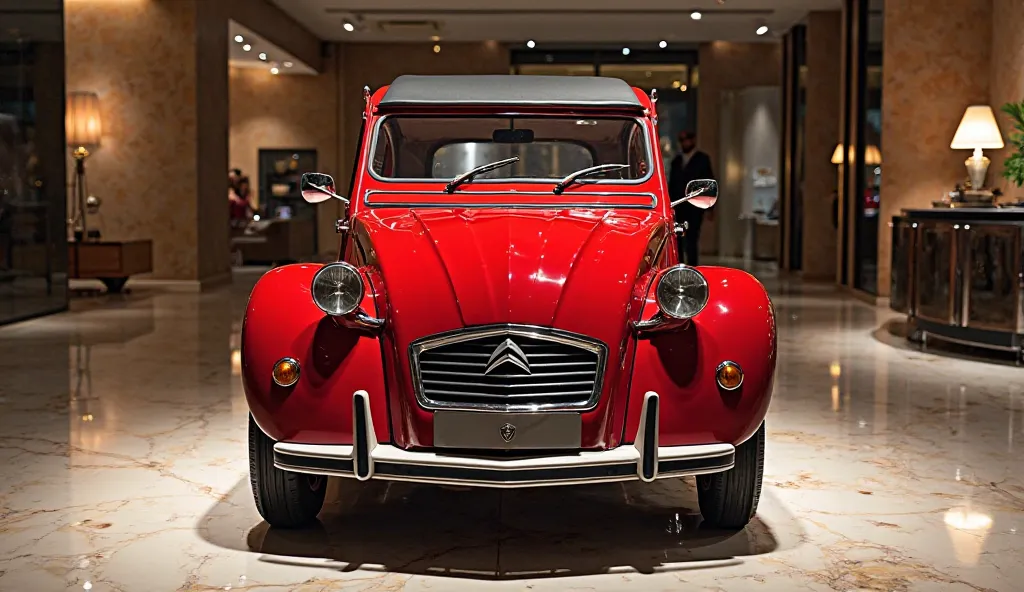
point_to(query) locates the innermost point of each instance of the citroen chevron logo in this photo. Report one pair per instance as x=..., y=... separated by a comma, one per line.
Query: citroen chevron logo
x=507, y=353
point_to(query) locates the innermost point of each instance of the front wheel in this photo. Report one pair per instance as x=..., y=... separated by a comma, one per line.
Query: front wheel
x=284, y=499
x=729, y=499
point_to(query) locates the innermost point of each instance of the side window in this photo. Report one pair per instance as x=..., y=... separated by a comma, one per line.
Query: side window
x=638, y=164
x=384, y=153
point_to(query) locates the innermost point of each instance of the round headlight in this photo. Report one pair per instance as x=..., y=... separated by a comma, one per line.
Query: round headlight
x=682, y=292
x=337, y=288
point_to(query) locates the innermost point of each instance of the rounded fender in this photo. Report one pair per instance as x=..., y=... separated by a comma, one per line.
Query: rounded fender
x=737, y=325
x=281, y=321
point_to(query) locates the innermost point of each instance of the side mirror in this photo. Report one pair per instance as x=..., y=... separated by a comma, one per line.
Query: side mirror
x=318, y=187
x=702, y=193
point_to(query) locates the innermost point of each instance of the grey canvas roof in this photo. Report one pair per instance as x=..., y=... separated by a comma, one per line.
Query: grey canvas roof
x=566, y=91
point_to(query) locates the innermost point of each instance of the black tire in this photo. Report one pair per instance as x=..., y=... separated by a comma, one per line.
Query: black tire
x=729, y=499
x=284, y=499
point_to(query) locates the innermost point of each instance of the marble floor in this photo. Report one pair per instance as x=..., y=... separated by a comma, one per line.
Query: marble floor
x=123, y=467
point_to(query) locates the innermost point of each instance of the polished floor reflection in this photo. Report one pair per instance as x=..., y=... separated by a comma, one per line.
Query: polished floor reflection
x=123, y=467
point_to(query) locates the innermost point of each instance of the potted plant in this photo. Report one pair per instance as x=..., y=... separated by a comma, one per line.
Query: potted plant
x=1013, y=168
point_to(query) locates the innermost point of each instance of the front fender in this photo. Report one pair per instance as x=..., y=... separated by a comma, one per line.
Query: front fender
x=738, y=324
x=281, y=320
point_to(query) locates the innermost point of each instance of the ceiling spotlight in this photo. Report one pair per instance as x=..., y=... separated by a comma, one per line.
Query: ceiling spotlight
x=239, y=38
x=663, y=44
x=435, y=38
x=762, y=29
x=275, y=71
x=531, y=44
x=246, y=47
x=288, y=64
x=348, y=26
x=263, y=56
x=625, y=51
x=695, y=15
x=437, y=49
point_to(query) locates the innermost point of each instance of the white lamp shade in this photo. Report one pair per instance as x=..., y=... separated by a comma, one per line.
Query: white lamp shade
x=977, y=129
x=82, y=119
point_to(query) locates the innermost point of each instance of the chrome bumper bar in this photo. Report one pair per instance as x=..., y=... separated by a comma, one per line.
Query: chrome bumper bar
x=366, y=459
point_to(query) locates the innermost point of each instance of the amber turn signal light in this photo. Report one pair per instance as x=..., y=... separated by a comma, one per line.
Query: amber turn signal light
x=286, y=372
x=729, y=376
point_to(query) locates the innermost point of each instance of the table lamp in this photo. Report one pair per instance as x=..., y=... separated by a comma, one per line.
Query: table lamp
x=82, y=129
x=978, y=130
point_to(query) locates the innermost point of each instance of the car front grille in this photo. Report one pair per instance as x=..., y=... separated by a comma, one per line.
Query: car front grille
x=508, y=368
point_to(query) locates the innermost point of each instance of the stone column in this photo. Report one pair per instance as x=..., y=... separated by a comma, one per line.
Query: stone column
x=929, y=76
x=821, y=134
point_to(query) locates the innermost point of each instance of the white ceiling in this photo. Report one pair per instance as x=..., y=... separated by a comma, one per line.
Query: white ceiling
x=550, y=21
x=276, y=57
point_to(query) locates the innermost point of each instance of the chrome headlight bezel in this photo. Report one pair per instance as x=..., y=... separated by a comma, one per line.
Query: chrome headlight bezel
x=348, y=305
x=693, y=281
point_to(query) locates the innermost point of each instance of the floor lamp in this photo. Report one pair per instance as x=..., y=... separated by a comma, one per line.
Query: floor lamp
x=82, y=128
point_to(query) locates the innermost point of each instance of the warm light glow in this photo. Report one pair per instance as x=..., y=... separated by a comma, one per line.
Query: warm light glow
x=437, y=49
x=531, y=44
x=275, y=71
x=682, y=87
x=82, y=120
x=348, y=26
x=676, y=83
x=729, y=376
x=762, y=29
x=663, y=44
x=977, y=129
x=288, y=64
x=695, y=15
x=835, y=397
x=435, y=38
x=239, y=38
x=246, y=47
x=263, y=56
x=835, y=370
x=872, y=155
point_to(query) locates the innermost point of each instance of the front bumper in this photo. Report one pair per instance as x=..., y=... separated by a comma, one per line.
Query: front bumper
x=366, y=459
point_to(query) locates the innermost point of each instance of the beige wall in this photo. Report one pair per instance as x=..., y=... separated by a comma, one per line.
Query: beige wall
x=821, y=134
x=726, y=66
x=1006, y=81
x=288, y=111
x=928, y=81
x=146, y=167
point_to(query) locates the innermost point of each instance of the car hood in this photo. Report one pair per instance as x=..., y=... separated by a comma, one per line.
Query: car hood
x=569, y=269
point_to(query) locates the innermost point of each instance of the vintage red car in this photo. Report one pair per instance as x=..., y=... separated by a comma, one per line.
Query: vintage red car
x=507, y=310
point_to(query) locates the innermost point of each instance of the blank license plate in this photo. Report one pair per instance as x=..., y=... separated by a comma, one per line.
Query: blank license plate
x=507, y=431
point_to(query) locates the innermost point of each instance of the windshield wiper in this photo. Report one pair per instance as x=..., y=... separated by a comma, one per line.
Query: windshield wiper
x=601, y=168
x=468, y=175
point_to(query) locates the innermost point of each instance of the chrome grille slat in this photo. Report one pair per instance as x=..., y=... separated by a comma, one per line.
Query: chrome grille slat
x=543, y=369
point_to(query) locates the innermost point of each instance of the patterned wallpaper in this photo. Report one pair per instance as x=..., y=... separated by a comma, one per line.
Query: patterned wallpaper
x=821, y=134
x=930, y=76
x=139, y=56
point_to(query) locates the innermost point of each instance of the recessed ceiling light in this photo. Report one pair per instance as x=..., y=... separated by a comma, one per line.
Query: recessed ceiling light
x=663, y=44
x=435, y=38
x=288, y=64
x=682, y=87
x=695, y=15
x=263, y=56
x=762, y=29
x=274, y=70
x=348, y=26
x=239, y=38
x=625, y=51
x=531, y=44
x=437, y=49
x=246, y=47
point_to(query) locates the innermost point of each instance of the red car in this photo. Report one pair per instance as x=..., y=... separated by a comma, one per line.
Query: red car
x=507, y=310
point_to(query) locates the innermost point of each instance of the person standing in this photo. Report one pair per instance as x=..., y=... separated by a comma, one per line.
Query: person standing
x=690, y=164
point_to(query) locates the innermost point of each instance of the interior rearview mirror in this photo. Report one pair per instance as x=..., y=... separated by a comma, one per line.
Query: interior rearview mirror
x=512, y=136
x=702, y=193
x=318, y=187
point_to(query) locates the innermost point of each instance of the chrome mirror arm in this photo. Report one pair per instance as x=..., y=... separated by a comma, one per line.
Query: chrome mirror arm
x=327, y=191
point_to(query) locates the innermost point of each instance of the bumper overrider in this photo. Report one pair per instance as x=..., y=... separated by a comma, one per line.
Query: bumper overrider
x=367, y=459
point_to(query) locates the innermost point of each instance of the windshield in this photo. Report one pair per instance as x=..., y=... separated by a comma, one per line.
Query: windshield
x=549, y=148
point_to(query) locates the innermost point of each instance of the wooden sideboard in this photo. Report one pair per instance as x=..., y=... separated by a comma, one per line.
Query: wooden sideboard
x=110, y=262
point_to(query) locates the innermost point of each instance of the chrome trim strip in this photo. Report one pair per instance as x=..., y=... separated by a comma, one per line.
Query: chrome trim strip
x=380, y=122
x=562, y=205
x=535, y=332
